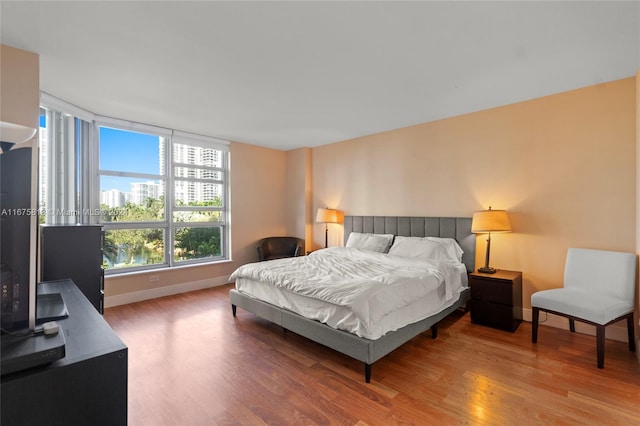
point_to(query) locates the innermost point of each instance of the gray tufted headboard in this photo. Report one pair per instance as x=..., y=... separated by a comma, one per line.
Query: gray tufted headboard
x=458, y=228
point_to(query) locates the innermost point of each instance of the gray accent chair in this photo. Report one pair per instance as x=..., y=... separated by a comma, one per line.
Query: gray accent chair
x=599, y=289
x=270, y=248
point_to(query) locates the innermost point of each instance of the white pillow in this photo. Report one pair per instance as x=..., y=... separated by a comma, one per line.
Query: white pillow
x=420, y=248
x=373, y=242
x=452, y=246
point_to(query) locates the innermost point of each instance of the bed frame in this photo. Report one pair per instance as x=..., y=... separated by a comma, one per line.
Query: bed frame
x=366, y=350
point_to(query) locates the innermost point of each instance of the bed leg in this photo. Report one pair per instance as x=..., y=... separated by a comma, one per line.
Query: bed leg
x=367, y=372
x=233, y=310
x=434, y=331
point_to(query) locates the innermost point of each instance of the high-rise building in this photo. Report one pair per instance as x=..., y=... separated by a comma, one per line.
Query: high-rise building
x=113, y=198
x=188, y=191
x=141, y=191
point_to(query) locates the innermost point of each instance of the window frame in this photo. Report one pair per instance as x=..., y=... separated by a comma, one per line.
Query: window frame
x=164, y=136
x=222, y=146
x=89, y=175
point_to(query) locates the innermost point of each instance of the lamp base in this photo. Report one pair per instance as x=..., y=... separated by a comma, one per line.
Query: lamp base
x=487, y=270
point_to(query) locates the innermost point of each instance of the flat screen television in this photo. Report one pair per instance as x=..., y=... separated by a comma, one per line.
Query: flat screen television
x=18, y=239
x=20, y=346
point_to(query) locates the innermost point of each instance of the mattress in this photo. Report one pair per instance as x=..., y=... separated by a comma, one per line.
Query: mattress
x=438, y=295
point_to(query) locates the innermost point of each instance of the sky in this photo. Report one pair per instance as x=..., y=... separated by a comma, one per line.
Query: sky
x=124, y=151
x=128, y=151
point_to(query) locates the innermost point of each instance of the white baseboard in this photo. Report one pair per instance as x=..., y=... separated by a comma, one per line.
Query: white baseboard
x=614, y=332
x=139, y=296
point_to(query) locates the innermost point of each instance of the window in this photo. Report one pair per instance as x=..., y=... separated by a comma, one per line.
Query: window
x=199, y=198
x=132, y=182
x=161, y=195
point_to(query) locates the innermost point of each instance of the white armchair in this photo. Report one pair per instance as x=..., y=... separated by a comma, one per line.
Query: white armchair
x=599, y=289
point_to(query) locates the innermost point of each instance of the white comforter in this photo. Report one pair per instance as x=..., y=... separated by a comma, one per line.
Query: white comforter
x=370, y=284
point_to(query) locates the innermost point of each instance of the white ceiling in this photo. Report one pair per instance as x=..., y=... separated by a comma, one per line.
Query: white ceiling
x=303, y=74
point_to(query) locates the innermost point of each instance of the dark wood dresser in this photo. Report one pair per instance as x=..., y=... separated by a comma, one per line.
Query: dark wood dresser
x=86, y=387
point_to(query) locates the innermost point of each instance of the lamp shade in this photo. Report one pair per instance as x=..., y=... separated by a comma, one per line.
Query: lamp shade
x=15, y=133
x=490, y=221
x=327, y=216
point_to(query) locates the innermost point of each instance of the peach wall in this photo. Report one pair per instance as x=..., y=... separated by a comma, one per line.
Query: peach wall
x=258, y=210
x=563, y=166
x=19, y=86
x=298, y=193
x=258, y=199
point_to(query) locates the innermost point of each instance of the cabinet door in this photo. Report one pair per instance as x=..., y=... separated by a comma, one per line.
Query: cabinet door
x=74, y=252
x=493, y=315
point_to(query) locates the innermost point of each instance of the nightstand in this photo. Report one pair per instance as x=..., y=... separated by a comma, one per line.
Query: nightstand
x=496, y=299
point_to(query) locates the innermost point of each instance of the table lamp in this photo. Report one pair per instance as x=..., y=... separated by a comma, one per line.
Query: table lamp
x=12, y=134
x=486, y=222
x=326, y=216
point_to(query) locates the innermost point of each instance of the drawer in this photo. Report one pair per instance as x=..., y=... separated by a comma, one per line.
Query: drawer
x=497, y=291
x=495, y=315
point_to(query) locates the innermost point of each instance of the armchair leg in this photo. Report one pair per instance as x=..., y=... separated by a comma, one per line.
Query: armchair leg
x=535, y=315
x=631, y=333
x=600, y=345
x=572, y=325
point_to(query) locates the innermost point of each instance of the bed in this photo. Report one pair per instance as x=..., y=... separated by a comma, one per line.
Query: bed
x=367, y=346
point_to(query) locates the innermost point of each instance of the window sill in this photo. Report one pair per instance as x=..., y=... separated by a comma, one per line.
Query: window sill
x=152, y=270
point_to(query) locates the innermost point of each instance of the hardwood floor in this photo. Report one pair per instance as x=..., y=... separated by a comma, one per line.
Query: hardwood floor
x=192, y=363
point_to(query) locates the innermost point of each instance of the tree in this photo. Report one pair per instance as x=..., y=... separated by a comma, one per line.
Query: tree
x=190, y=242
x=146, y=243
x=196, y=243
